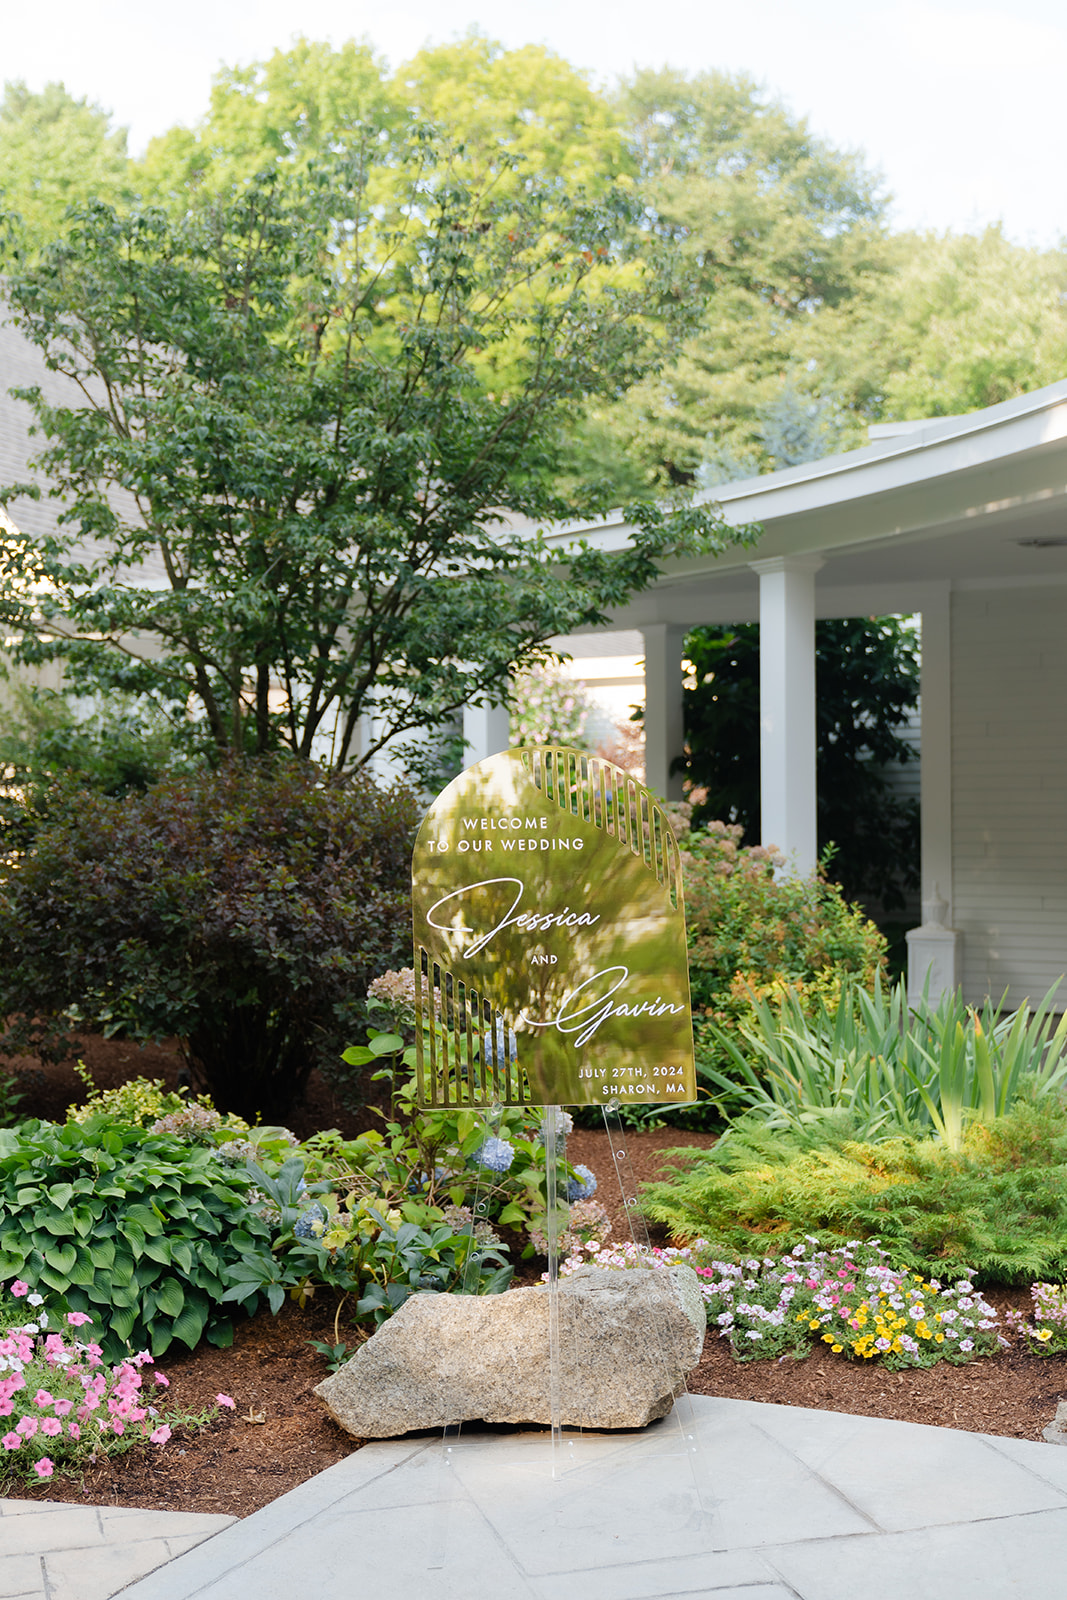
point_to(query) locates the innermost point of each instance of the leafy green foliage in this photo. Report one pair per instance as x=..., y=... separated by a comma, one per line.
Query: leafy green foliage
x=55, y=150
x=998, y=1205
x=307, y=404
x=241, y=910
x=890, y=1068
x=138, y=1231
x=119, y=747
x=753, y=934
x=867, y=684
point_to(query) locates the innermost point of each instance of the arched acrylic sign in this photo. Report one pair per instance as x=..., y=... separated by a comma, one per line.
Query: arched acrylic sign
x=550, y=946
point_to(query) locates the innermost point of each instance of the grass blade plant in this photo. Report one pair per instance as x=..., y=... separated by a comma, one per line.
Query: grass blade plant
x=890, y=1069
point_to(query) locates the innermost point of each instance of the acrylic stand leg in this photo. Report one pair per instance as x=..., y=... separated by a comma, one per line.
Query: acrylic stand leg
x=555, y=1154
x=450, y=1434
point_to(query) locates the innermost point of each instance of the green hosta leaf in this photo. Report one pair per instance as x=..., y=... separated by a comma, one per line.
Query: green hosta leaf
x=83, y=1219
x=125, y=1295
x=27, y=1196
x=83, y=1271
x=54, y=1222
x=122, y=1268
x=133, y=1233
x=181, y=1255
x=144, y=1217
x=102, y=1252
x=220, y=1334
x=61, y=1257
x=171, y=1298
x=122, y=1322
x=158, y=1250
x=61, y=1194
x=189, y=1325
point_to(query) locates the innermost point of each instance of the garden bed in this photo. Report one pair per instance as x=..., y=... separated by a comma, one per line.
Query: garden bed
x=277, y=1434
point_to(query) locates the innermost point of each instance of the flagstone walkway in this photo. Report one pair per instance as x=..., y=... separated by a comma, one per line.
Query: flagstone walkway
x=727, y=1499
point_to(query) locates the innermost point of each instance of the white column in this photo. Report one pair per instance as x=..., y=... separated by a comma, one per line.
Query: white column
x=664, y=734
x=935, y=783
x=935, y=947
x=787, y=706
x=486, y=731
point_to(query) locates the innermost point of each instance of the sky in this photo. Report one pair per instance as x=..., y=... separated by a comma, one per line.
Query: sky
x=957, y=105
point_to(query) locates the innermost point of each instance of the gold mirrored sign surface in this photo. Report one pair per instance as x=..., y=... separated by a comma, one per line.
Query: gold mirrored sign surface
x=550, y=948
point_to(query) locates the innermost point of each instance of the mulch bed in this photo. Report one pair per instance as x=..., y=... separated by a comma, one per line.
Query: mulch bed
x=278, y=1435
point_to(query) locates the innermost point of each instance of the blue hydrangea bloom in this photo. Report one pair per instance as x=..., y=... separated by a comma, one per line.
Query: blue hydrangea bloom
x=310, y=1224
x=582, y=1186
x=496, y=1154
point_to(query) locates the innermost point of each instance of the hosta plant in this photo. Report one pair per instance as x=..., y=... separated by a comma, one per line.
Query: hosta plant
x=138, y=1230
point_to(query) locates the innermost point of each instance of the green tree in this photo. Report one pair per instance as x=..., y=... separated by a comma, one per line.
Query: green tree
x=776, y=226
x=961, y=322
x=307, y=406
x=867, y=683
x=55, y=150
x=294, y=107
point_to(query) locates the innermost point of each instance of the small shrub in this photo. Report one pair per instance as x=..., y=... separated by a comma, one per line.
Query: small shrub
x=139, y=1231
x=241, y=910
x=763, y=1192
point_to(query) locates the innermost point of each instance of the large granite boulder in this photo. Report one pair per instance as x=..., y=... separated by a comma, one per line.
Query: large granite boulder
x=627, y=1339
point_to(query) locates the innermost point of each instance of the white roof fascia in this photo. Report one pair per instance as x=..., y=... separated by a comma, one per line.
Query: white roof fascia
x=997, y=435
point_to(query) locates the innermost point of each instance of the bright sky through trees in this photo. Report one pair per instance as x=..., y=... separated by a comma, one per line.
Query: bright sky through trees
x=957, y=102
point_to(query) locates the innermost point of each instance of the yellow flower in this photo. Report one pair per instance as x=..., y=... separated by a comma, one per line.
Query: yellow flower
x=837, y=1349
x=814, y=1324
x=939, y=1338
x=1045, y=1334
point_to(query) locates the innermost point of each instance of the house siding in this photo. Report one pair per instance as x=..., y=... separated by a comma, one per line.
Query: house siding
x=1009, y=789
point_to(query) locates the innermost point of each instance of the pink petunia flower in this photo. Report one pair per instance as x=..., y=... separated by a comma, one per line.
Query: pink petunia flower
x=27, y=1427
x=225, y=1400
x=62, y=1408
x=18, y=1288
x=78, y=1319
x=162, y=1380
x=11, y=1441
x=42, y=1398
x=51, y=1426
x=43, y=1468
x=74, y=1431
x=161, y=1435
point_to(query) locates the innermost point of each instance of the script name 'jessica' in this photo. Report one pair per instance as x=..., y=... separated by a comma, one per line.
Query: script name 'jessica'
x=524, y=921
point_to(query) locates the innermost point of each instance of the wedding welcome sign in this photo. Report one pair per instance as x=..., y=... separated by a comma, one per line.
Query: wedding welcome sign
x=550, y=950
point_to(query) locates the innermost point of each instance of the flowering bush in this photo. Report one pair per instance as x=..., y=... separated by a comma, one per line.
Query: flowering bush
x=753, y=934
x=548, y=706
x=849, y=1299
x=1046, y=1331
x=59, y=1403
x=588, y=1226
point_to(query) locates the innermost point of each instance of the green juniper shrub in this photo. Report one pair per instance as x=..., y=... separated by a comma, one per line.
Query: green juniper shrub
x=999, y=1204
x=139, y=1231
x=241, y=910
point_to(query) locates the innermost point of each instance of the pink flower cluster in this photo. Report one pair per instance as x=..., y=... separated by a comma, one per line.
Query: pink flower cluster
x=102, y=1402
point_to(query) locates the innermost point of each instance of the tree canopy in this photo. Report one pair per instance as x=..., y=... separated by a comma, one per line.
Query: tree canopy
x=309, y=402
x=55, y=150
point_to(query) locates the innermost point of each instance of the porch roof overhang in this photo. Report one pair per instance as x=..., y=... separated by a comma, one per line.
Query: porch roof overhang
x=965, y=502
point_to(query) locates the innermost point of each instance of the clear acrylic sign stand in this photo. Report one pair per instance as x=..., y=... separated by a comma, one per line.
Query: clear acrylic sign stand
x=550, y=970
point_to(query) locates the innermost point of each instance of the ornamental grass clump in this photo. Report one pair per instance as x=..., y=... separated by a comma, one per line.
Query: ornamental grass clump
x=60, y=1404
